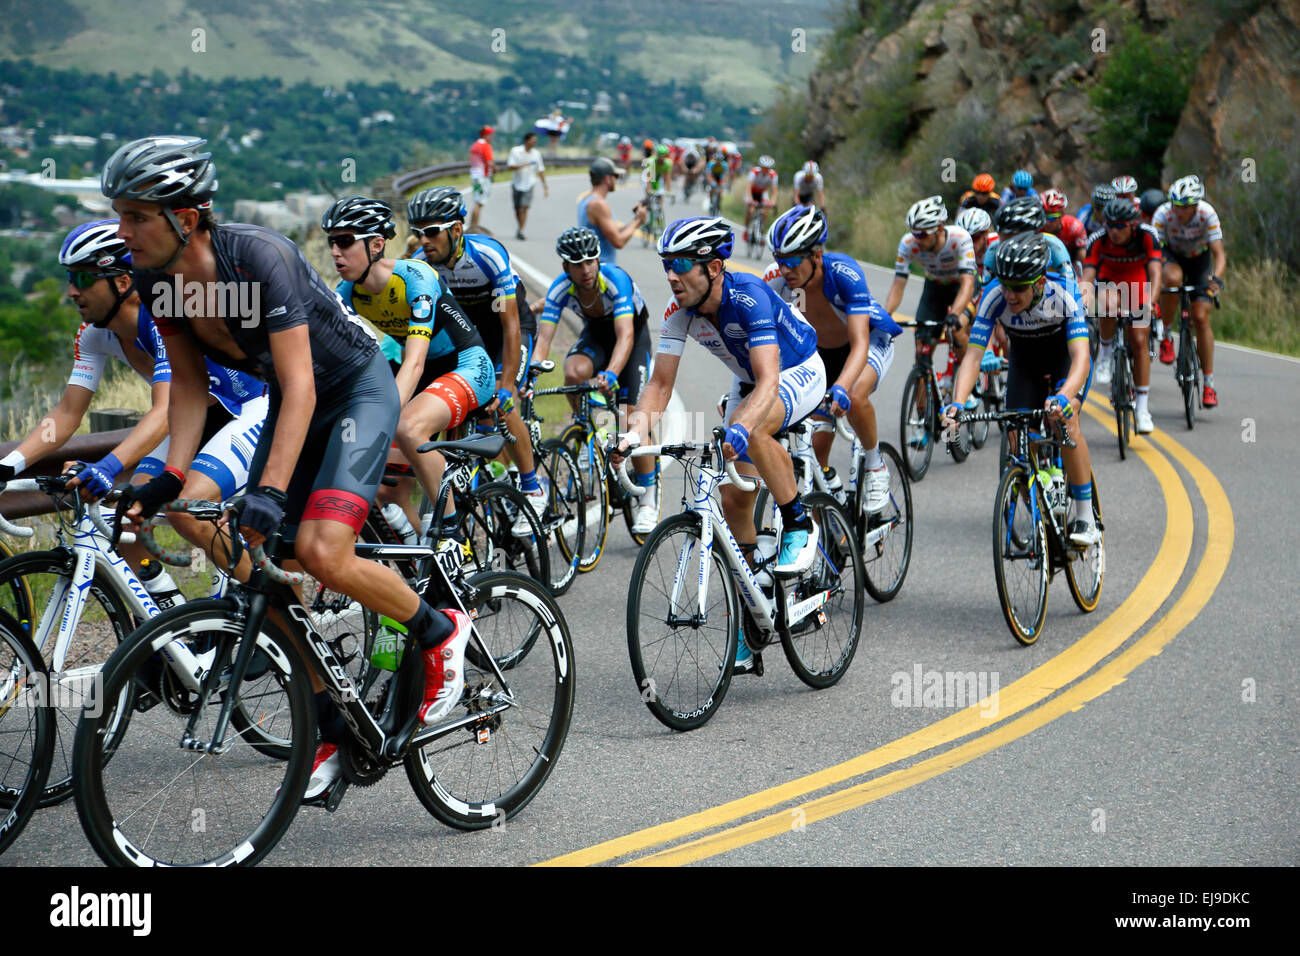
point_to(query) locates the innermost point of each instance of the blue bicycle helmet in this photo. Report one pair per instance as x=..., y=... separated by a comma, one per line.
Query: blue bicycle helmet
x=1022, y=179
x=797, y=231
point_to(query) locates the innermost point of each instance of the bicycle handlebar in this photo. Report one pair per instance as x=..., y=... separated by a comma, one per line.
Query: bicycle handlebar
x=8, y=527
x=676, y=451
x=1027, y=416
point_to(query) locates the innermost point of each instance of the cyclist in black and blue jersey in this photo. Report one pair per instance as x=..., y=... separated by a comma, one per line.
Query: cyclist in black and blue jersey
x=1049, y=347
x=333, y=403
x=615, y=337
x=444, y=372
x=855, y=335
x=777, y=378
x=477, y=270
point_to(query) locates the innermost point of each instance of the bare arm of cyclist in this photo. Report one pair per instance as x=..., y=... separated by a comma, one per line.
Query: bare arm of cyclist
x=291, y=354
x=765, y=360
x=57, y=426
x=187, y=400
x=859, y=349
x=408, y=376
x=895, y=296
x=623, y=339
x=510, y=339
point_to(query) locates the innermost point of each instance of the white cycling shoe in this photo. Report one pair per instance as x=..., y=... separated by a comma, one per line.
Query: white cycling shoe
x=646, y=517
x=537, y=499
x=1145, y=426
x=877, y=489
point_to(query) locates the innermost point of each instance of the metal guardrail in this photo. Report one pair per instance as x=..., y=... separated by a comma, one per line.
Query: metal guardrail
x=403, y=182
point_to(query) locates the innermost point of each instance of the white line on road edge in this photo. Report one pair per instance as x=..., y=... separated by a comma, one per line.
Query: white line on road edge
x=1247, y=348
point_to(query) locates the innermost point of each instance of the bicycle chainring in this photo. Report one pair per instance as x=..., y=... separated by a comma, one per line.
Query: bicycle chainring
x=359, y=768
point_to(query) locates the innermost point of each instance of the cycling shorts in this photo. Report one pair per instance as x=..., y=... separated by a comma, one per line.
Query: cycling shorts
x=936, y=301
x=599, y=347
x=757, y=194
x=801, y=388
x=1196, y=271
x=343, y=454
x=1038, y=371
x=225, y=449
x=525, y=355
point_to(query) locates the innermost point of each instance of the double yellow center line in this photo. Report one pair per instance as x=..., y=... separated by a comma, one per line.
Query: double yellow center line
x=1066, y=671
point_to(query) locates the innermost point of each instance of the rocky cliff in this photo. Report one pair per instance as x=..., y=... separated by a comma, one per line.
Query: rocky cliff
x=1025, y=68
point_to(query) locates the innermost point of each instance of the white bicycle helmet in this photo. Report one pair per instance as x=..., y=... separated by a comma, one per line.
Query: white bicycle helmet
x=1186, y=191
x=927, y=214
x=1124, y=185
x=974, y=220
x=697, y=238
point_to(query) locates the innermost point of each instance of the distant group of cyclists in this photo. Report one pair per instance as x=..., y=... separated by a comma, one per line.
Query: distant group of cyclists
x=301, y=405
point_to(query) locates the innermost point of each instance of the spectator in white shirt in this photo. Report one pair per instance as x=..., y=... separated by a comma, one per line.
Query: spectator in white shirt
x=525, y=161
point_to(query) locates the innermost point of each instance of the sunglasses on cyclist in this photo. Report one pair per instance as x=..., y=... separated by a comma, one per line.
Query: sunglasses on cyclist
x=1019, y=286
x=923, y=233
x=1054, y=215
x=791, y=263
x=578, y=262
x=82, y=279
x=345, y=241
x=1118, y=226
x=429, y=232
x=680, y=266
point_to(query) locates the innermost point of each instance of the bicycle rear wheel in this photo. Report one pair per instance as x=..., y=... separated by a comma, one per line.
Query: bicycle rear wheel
x=489, y=527
x=1020, y=562
x=681, y=660
x=591, y=469
x=1084, y=569
x=820, y=648
x=156, y=803
x=979, y=431
x=484, y=773
x=1187, y=371
x=27, y=732
x=916, y=416
x=887, y=557
x=1120, y=399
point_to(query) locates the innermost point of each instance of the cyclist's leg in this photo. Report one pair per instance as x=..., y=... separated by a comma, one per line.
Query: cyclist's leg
x=582, y=362
x=1171, y=275
x=635, y=374
x=737, y=505
x=862, y=415
x=1197, y=273
x=833, y=359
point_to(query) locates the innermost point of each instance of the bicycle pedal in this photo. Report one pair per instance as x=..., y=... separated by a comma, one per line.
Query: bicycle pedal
x=331, y=798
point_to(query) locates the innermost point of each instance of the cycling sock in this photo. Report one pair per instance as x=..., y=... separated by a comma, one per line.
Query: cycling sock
x=873, y=461
x=429, y=626
x=1209, y=380
x=644, y=481
x=1142, y=396
x=528, y=481
x=328, y=718
x=793, y=516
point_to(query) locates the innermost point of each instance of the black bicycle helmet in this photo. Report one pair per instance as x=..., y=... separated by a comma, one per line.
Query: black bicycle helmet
x=439, y=204
x=600, y=168
x=1121, y=209
x=1021, y=215
x=577, y=244
x=1151, y=200
x=363, y=215
x=167, y=170
x=1022, y=258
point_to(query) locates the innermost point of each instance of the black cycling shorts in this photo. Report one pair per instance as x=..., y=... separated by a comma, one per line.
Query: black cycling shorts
x=1196, y=271
x=599, y=346
x=936, y=302
x=1037, y=370
x=343, y=455
x=834, y=360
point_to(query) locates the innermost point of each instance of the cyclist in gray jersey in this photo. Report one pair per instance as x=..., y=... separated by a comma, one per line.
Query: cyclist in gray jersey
x=333, y=410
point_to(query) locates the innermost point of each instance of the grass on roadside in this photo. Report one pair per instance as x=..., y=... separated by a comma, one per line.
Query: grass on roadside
x=1259, y=307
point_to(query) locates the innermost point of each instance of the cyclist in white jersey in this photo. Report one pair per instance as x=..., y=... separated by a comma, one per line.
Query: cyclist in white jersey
x=855, y=336
x=809, y=187
x=1190, y=229
x=116, y=326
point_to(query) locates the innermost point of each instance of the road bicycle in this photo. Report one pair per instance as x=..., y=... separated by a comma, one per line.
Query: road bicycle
x=884, y=536
x=923, y=402
x=27, y=732
x=182, y=785
x=1123, y=394
x=683, y=635
x=756, y=231
x=1187, y=368
x=1029, y=537
x=654, y=223
x=83, y=599
x=714, y=206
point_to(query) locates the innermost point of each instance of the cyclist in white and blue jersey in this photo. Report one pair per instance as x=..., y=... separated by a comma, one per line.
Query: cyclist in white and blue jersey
x=477, y=270
x=855, y=335
x=615, y=338
x=117, y=326
x=1050, y=365
x=777, y=377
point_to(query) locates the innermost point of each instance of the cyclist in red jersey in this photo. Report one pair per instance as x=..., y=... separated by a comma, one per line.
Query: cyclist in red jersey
x=1066, y=228
x=1120, y=268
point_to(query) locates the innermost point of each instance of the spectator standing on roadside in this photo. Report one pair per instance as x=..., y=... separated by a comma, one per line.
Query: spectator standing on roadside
x=480, y=172
x=525, y=161
x=594, y=212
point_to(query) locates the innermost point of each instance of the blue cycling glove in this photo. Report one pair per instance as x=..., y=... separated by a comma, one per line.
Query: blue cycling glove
x=609, y=379
x=990, y=362
x=840, y=397
x=1067, y=410
x=738, y=438
x=99, y=478
x=505, y=400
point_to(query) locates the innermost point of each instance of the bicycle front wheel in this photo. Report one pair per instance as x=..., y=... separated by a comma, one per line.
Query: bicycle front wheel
x=1187, y=371
x=484, y=773
x=1085, y=568
x=595, y=492
x=885, y=536
x=1020, y=561
x=26, y=732
x=682, y=655
x=103, y=623
x=493, y=545
x=154, y=802
x=821, y=646
x=565, y=520
x=916, y=416
x=1120, y=397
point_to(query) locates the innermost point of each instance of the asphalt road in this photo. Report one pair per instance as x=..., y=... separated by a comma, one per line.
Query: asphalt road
x=1159, y=730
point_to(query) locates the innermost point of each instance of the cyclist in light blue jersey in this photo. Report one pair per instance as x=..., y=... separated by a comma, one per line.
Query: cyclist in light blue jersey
x=1027, y=215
